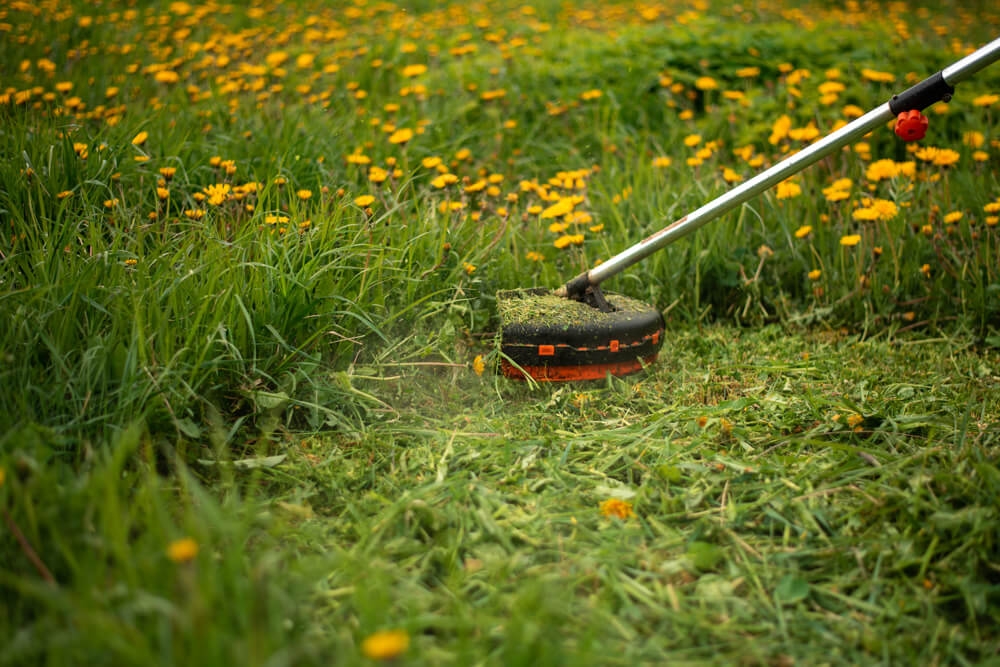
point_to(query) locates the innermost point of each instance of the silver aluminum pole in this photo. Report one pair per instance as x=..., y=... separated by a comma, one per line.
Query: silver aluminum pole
x=933, y=89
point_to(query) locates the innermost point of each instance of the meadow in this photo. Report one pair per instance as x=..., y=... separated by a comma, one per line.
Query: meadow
x=249, y=410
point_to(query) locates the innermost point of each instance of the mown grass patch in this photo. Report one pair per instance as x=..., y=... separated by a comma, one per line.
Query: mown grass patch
x=782, y=497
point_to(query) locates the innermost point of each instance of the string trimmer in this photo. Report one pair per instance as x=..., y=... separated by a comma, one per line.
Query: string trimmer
x=578, y=332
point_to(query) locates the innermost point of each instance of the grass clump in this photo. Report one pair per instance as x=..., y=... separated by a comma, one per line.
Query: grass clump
x=541, y=308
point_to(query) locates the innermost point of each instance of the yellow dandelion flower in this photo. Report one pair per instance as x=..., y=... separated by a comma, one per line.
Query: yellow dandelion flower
x=166, y=76
x=730, y=176
x=411, y=71
x=559, y=209
x=973, y=139
x=183, y=550
x=779, y=130
x=364, y=200
x=926, y=153
x=788, y=190
x=385, y=644
x=140, y=138
x=662, y=162
x=926, y=270
x=305, y=60
x=692, y=140
x=217, y=193
x=444, y=180
x=876, y=76
x=451, y=206
x=478, y=365
x=852, y=111
x=567, y=240
x=533, y=256
x=946, y=157
x=952, y=217
x=807, y=133
x=401, y=136
x=815, y=274
x=803, y=231
x=850, y=240
x=614, y=507
x=986, y=100
x=881, y=169
x=469, y=268
x=705, y=83
x=748, y=72
x=830, y=88
x=885, y=209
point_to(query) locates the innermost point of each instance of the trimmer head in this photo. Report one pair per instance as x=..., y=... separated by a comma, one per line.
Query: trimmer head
x=552, y=338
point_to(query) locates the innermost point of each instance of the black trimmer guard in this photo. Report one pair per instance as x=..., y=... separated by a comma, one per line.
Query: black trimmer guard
x=552, y=338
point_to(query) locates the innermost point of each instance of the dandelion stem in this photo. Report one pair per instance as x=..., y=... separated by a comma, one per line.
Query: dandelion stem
x=27, y=548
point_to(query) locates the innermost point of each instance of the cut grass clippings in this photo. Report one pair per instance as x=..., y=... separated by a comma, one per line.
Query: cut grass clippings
x=781, y=497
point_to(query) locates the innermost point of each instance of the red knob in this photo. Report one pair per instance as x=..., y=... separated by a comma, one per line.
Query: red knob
x=911, y=125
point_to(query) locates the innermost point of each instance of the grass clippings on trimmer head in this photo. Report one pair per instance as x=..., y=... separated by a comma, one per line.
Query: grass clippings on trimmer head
x=548, y=337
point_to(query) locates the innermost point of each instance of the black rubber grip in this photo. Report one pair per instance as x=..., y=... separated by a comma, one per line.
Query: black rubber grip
x=922, y=95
